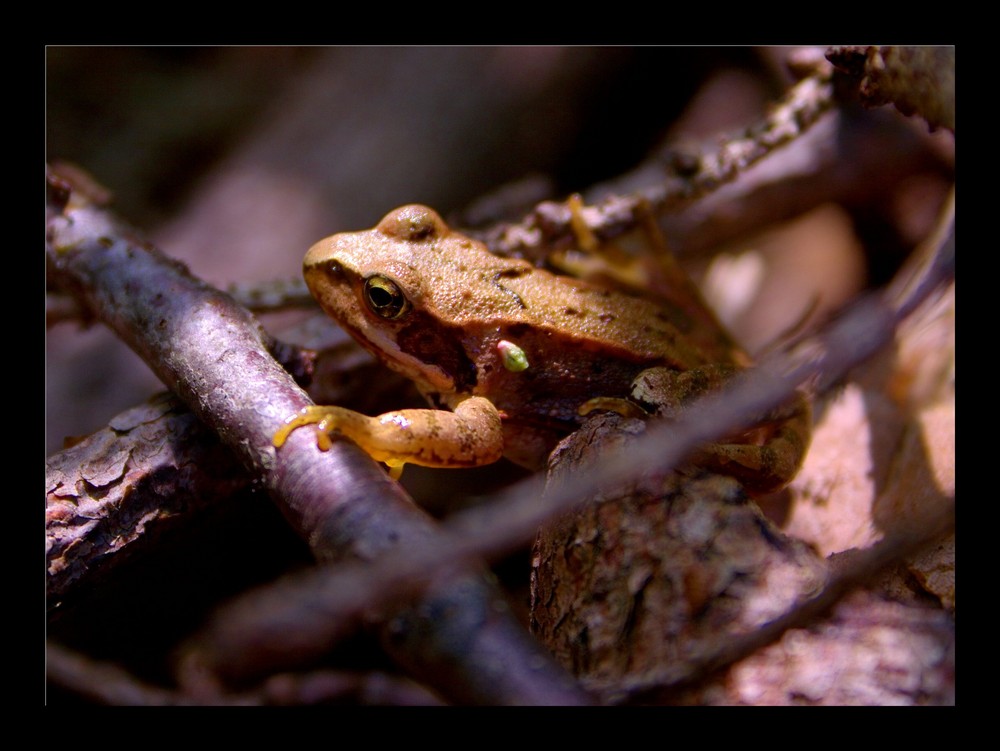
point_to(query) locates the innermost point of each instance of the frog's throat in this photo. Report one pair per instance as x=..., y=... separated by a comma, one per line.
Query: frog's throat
x=426, y=375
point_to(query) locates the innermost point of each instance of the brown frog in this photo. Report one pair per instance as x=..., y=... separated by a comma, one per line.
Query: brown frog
x=512, y=355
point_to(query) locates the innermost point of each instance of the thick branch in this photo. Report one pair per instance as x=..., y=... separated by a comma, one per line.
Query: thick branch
x=213, y=354
x=107, y=496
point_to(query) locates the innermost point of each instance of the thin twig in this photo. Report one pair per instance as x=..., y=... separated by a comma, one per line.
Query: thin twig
x=549, y=225
x=103, y=682
x=106, y=683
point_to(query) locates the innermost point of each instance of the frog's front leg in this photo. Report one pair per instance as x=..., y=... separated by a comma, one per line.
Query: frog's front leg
x=763, y=458
x=468, y=437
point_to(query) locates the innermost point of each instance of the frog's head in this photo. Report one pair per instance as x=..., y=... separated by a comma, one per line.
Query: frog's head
x=410, y=291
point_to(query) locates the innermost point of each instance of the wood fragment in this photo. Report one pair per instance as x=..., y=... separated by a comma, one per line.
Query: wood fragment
x=917, y=80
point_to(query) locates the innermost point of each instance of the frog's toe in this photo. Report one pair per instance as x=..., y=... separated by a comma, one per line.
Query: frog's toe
x=313, y=415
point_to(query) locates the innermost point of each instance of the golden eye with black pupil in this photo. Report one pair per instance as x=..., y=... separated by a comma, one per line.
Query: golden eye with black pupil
x=385, y=298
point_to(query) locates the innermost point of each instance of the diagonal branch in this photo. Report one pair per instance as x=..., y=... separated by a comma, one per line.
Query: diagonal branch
x=550, y=224
x=213, y=354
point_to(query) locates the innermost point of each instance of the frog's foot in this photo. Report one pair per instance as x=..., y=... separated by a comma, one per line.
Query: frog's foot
x=468, y=437
x=665, y=391
x=313, y=415
x=768, y=456
x=764, y=458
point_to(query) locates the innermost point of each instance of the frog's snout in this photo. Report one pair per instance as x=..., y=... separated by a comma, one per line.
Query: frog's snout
x=319, y=253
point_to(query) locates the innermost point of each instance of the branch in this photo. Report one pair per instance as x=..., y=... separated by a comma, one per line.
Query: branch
x=918, y=80
x=549, y=225
x=109, y=684
x=108, y=496
x=102, y=682
x=213, y=355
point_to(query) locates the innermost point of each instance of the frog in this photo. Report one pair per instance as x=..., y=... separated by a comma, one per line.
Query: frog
x=512, y=357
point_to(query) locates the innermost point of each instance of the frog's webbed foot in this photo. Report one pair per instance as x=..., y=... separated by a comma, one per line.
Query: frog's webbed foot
x=764, y=458
x=468, y=437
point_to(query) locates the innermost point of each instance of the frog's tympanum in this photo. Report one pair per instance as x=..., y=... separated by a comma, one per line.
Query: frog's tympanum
x=512, y=356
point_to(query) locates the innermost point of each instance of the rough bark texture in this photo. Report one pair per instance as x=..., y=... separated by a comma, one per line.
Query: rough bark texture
x=918, y=80
x=109, y=494
x=871, y=651
x=652, y=586
x=660, y=575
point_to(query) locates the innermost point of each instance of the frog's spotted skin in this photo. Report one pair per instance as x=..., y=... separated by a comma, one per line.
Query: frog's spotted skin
x=467, y=326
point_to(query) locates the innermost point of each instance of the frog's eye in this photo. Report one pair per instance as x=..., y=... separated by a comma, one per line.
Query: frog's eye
x=385, y=298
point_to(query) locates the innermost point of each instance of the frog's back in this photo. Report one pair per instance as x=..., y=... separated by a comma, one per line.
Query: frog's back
x=610, y=324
